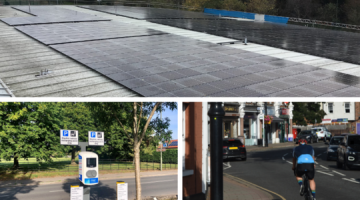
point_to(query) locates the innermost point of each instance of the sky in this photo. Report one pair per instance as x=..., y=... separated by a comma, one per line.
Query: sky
x=173, y=116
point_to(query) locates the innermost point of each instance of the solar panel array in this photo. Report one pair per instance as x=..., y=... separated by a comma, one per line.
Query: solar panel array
x=149, y=13
x=86, y=31
x=338, y=45
x=170, y=65
x=173, y=144
x=49, y=14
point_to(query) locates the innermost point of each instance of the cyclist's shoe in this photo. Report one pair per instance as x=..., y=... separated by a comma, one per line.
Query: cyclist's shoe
x=302, y=190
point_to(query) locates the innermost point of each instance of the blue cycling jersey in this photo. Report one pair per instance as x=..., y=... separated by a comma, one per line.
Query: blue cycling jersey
x=304, y=154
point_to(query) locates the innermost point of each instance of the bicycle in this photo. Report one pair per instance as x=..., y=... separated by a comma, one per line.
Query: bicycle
x=307, y=191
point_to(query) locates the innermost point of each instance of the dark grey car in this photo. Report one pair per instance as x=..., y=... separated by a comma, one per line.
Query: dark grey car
x=309, y=135
x=333, y=146
x=349, y=152
x=233, y=148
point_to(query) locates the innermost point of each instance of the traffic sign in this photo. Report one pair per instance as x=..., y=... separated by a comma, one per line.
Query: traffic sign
x=96, y=138
x=76, y=192
x=69, y=137
x=122, y=190
x=165, y=145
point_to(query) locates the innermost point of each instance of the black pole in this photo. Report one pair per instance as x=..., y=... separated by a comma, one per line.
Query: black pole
x=216, y=114
x=266, y=127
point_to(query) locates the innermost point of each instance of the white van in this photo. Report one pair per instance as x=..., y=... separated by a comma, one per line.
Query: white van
x=322, y=133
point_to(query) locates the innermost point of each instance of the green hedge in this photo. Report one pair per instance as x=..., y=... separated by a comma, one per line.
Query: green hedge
x=169, y=156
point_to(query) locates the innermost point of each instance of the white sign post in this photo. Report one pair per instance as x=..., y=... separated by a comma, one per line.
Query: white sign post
x=96, y=138
x=121, y=191
x=69, y=137
x=76, y=192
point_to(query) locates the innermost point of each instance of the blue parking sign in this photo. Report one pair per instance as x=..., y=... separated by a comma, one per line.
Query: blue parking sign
x=65, y=133
x=92, y=134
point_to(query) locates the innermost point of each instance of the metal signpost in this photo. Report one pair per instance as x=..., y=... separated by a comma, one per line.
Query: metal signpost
x=216, y=114
x=121, y=190
x=76, y=192
x=88, y=161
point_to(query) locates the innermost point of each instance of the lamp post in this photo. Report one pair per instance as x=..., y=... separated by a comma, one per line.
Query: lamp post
x=216, y=114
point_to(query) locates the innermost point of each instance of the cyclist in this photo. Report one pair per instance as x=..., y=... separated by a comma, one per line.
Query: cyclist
x=303, y=163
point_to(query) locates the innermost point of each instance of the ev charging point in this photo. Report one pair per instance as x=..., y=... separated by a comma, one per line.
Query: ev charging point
x=121, y=190
x=88, y=168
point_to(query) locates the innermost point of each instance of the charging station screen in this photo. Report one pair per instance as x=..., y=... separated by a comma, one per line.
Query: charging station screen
x=91, y=162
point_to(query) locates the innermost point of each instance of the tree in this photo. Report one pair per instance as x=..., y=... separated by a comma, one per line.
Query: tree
x=262, y=6
x=30, y=129
x=306, y=112
x=352, y=11
x=236, y=5
x=77, y=116
x=135, y=122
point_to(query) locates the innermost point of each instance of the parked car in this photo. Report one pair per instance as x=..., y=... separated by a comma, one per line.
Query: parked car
x=309, y=135
x=323, y=133
x=349, y=152
x=233, y=148
x=333, y=146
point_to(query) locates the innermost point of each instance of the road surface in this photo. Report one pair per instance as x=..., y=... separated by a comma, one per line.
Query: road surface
x=271, y=169
x=151, y=186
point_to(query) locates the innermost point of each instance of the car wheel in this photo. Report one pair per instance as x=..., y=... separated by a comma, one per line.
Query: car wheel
x=311, y=141
x=244, y=159
x=317, y=140
x=327, y=158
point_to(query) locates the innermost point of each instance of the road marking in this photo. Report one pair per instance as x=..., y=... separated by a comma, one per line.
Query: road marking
x=257, y=186
x=351, y=180
x=227, y=165
x=318, y=155
x=325, y=173
x=339, y=173
x=57, y=191
x=283, y=158
x=285, y=154
x=289, y=162
x=316, y=162
x=323, y=167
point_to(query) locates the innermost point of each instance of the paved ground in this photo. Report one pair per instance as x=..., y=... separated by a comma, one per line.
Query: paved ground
x=271, y=169
x=154, y=186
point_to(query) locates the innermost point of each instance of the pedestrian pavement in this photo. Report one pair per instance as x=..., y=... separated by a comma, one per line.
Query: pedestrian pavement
x=66, y=179
x=236, y=188
x=270, y=146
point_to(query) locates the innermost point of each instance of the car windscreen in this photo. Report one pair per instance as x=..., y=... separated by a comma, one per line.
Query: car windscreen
x=304, y=133
x=354, y=142
x=336, y=140
x=232, y=143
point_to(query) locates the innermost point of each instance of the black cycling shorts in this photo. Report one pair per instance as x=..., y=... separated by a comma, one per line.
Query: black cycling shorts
x=308, y=169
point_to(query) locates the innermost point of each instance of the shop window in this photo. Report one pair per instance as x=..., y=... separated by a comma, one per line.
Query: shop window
x=330, y=106
x=347, y=107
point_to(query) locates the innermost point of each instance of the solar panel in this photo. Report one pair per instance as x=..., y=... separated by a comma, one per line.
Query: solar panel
x=85, y=31
x=173, y=144
x=337, y=45
x=49, y=14
x=151, y=66
x=148, y=12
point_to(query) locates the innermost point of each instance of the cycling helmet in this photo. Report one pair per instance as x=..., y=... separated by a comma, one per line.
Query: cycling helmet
x=302, y=140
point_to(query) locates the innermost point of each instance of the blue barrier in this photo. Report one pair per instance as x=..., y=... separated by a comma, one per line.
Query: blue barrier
x=239, y=14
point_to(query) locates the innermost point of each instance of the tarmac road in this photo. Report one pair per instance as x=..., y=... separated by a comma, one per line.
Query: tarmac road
x=271, y=169
x=151, y=186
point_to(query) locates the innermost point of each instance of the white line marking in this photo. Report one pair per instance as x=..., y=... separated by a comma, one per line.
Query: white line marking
x=283, y=158
x=289, y=162
x=325, y=173
x=285, y=154
x=227, y=165
x=323, y=167
x=351, y=180
x=318, y=155
x=57, y=191
x=339, y=173
x=316, y=162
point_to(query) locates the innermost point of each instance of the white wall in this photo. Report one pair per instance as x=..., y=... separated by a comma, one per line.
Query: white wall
x=339, y=111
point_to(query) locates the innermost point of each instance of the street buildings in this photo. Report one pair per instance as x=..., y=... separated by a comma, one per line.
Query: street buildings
x=244, y=120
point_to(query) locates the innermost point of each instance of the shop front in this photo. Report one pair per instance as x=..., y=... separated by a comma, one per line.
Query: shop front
x=284, y=126
x=231, y=120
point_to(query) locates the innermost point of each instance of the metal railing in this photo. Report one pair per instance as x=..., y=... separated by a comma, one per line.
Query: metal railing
x=324, y=23
x=107, y=164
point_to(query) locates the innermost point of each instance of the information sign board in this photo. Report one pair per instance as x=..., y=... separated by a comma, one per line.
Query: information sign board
x=96, y=138
x=122, y=190
x=69, y=137
x=76, y=192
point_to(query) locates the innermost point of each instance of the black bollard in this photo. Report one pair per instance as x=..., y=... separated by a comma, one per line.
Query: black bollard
x=266, y=127
x=216, y=114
